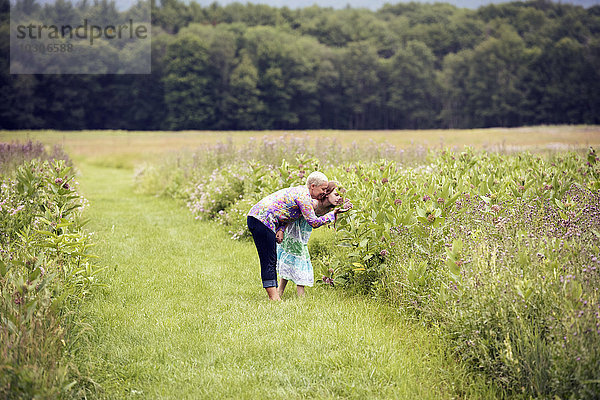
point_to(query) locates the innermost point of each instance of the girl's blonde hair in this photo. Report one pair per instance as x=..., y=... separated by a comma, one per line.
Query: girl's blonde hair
x=331, y=186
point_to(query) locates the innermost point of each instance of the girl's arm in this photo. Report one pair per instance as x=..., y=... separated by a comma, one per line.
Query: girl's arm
x=308, y=212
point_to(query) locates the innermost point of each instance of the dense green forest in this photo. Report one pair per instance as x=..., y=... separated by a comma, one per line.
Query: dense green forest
x=406, y=65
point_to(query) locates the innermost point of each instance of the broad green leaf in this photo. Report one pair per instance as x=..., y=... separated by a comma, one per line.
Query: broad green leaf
x=457, y=245
x=453, y=267
x=575, y=290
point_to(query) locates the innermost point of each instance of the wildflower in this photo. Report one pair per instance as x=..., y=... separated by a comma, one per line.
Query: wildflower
x=58, y=181
x=398, y=202
x=425, y=198
x=440, y=200
x=383, y=253
x=16, y=210
x=384, y=180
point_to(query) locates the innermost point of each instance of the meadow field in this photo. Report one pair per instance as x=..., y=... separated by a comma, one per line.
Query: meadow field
x=126, y=148
x=468, y=267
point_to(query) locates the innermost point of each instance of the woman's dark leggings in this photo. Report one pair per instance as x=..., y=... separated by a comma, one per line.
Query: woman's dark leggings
x=266, y=244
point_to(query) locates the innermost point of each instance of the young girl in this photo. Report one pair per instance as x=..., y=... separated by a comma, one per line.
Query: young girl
x=293, y=260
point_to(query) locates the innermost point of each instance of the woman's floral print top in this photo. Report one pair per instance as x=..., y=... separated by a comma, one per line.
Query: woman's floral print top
x=287, y=205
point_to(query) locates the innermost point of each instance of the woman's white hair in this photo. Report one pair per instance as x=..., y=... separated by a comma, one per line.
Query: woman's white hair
x=317, y=178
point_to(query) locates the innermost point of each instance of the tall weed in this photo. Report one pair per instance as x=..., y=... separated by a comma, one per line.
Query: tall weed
x=46, y=270
x=16, y=153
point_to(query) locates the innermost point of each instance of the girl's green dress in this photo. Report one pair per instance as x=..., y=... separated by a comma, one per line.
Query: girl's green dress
x=293, y=260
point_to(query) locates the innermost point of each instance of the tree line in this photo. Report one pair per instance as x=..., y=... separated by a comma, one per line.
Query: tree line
x=404, y=66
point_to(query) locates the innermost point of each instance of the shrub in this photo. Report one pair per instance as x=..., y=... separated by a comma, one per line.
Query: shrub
x=217, y=192
x=502, y=251
x=45, y=272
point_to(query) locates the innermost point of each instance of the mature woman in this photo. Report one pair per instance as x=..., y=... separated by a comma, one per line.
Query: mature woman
x=268, y=217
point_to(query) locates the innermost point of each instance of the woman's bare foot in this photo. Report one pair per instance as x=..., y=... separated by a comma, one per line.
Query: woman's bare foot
x=300, y=290
x=273, y=293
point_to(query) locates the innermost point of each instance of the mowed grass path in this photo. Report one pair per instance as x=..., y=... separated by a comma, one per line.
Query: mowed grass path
x=184, y=317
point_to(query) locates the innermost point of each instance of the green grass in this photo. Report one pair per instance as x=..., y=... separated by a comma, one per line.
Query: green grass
x=184, y=317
